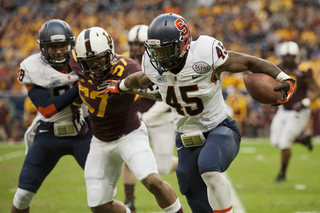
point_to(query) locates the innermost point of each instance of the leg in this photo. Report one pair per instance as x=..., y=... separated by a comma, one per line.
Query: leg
x=21, y=201
x=221, y=148
x=162, y=190
x=305, y=140
x=190, y=182
x=129, y=181
x=114, y=206
x=293, y=125
x=81, y=147
x=40, y=160
x=219, y=192
x=285, y=158
x=163, y=145
x=137, y=153
x=102, y=172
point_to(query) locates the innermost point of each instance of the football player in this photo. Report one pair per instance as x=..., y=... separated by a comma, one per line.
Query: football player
x=291, y=118
x=189, y=78
x=158, y=119
x=118, y=133
x=60, y=127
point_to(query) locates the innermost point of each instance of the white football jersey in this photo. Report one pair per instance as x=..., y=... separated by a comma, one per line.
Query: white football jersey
x=37, y=72
x=195, y=93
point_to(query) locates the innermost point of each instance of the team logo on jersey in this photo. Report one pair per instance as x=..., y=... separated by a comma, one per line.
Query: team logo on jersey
x=55, y=83
x=161, y=78
x=201, y=67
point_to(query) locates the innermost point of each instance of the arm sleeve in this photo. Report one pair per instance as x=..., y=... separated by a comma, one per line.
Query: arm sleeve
x=49, y=106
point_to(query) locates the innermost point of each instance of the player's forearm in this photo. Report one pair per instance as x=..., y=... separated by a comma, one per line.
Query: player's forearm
x=156, y=97
x=239, y=62
x=264, y=66
x=137, y=80
x=49, y=106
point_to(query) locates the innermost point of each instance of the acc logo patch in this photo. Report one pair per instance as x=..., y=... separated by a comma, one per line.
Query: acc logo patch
x=201, y=67
x=55, y=83
x=161, y=78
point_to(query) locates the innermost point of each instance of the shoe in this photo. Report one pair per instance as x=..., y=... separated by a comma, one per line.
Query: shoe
x=130, y=204
x=307, y=142
x=280, y=178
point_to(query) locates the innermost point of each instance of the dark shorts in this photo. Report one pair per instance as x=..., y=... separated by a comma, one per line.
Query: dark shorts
x=45, y=153
x=220, y=149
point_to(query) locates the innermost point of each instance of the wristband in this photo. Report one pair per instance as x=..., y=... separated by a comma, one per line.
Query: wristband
x=281, y=77
x=123, y=87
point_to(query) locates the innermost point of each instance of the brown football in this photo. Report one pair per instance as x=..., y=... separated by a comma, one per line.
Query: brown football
x=260, y=87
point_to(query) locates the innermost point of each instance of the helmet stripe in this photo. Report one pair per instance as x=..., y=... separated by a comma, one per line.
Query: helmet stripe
x=87, y=40
x=137, y=36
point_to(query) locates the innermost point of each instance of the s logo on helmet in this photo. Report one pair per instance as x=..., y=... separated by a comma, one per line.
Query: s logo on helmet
x=182, y=26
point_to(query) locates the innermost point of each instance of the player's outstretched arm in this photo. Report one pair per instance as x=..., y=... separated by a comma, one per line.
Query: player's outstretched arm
x=115, y=88
x=240, y=62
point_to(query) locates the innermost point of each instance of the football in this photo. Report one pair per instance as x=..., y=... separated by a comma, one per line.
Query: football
x=260, y=87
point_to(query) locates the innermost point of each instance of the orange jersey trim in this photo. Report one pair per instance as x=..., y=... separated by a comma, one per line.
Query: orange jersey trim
x=49, y=111
x=223, y=210
x=29, y=87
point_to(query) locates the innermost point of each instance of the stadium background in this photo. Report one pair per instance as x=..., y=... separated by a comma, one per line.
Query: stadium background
x=256, y=27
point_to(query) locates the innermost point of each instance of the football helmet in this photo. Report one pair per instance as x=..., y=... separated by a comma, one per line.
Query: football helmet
x=289, y=48
x=55, y=31
x=136, y=38
x=93, y=44
x=168, y=41
x=138, y=33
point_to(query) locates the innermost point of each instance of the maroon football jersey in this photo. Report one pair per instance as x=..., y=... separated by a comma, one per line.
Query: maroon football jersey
x=300, y=88
x=146, y=104
x=110, y=120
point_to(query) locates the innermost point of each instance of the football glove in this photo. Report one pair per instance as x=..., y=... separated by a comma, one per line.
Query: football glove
x=111, y=87
x=287, y=87
x=78, y=121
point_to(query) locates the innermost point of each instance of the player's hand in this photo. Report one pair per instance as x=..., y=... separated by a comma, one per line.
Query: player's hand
x=78, y=121
x=287, y=87
x=111, y=87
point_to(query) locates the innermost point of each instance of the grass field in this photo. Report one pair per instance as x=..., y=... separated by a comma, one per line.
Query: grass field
x=251, y=176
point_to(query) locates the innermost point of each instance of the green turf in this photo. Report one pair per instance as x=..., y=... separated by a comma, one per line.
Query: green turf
x=251, y=174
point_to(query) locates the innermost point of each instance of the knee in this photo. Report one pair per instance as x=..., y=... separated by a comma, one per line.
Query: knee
x=164, y=169
x=22, y=199
x=153, y=183
x=213, y=179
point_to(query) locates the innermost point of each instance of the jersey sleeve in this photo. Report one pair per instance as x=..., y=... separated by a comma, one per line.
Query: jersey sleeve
x=219, y=54
x=49, y=106
x=23, y=75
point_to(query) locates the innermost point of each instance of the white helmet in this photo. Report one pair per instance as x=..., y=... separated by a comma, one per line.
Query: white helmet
x=138, y=33
x=93, y=43
x=289, y=48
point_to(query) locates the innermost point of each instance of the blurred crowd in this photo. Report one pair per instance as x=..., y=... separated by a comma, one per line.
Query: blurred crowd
x=256, y=27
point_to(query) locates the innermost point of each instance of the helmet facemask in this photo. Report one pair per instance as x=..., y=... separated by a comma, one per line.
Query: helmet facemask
x=95, y=54
x=169, y=40
x=167, y=56
x=100, y=73
x=53, y=58
x=56, y=32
